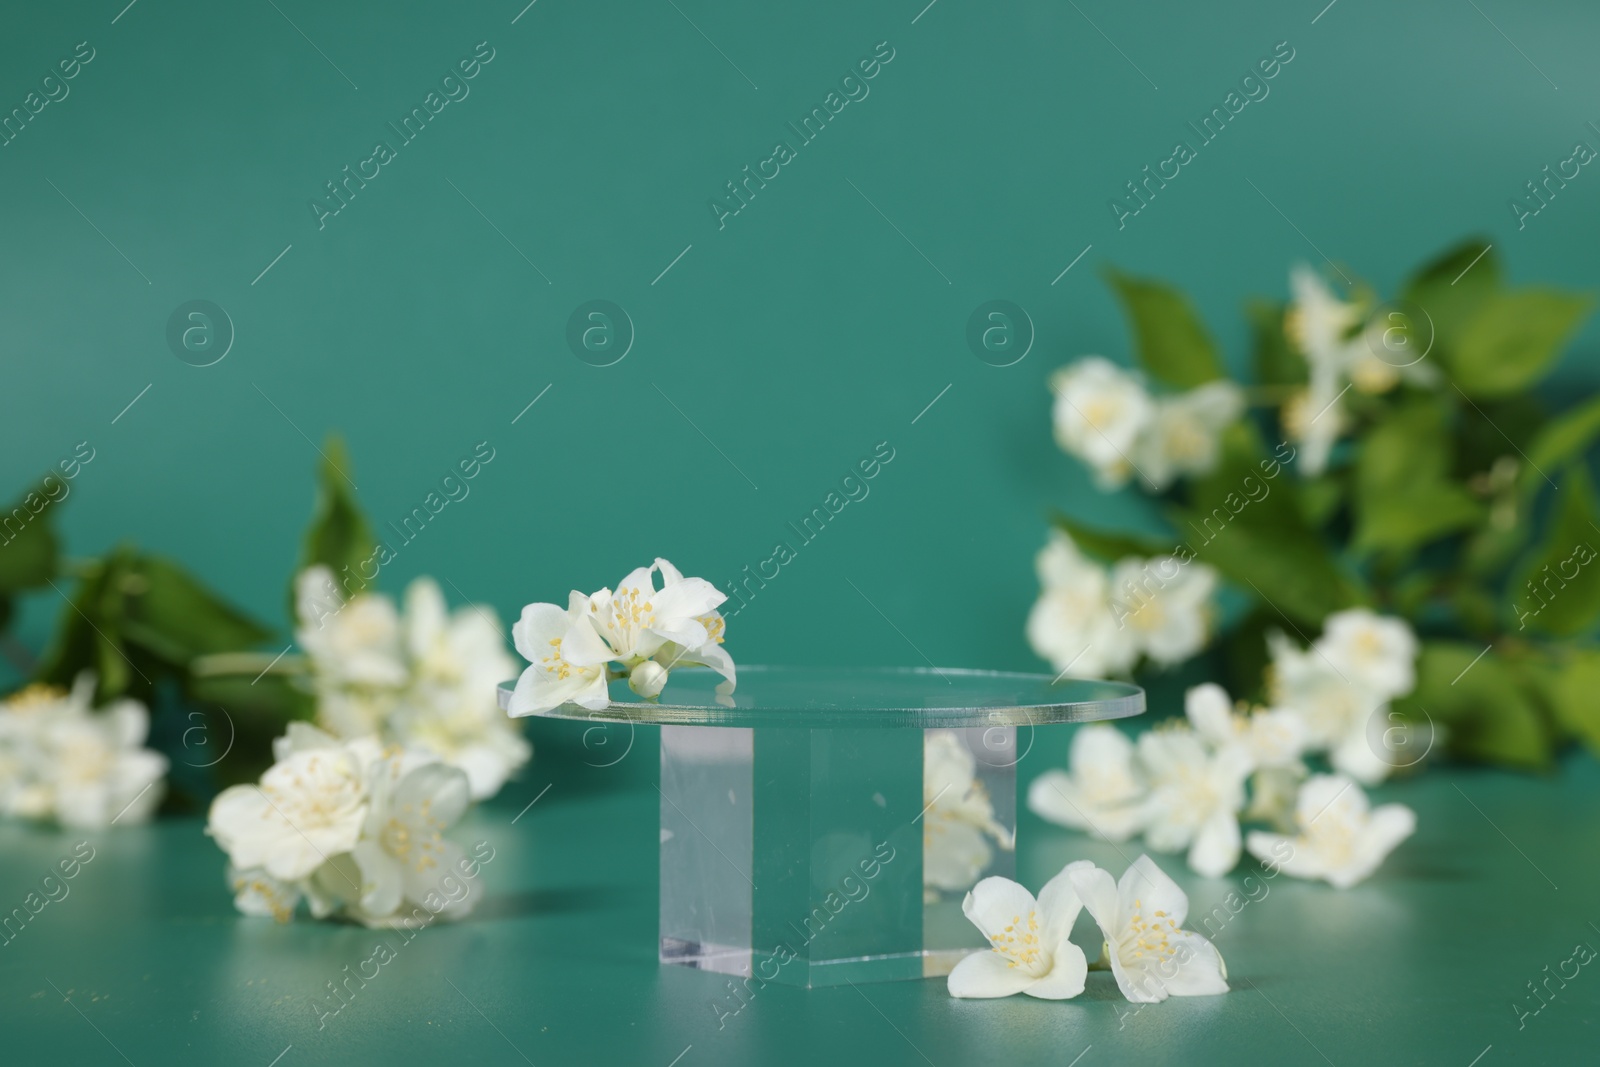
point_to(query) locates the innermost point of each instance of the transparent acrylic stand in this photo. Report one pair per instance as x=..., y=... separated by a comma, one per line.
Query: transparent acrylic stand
x=822, y=825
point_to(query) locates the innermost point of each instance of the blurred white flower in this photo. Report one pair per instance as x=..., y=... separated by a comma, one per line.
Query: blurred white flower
x=1071, y=624
x=1318, y=324
x=1269, y=737
x=1196, y=795
x=1100, y=412
x=1101, y=791
x=1184, y=436
x=1340, y=840
x=1141, y=918
x=355, y=828
x=958, y=818
x=1031, y=951
x=1165, y=604
x=570, y=651
x=1376, y=652
x=61, y=760
x=424, y=678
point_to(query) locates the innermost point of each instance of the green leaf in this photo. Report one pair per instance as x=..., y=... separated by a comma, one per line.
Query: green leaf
x=1109, y=547
x=1511, y=338
x=1451, y=286
x=174, y=616
x=1404, y=497
x=1276, y=363
x=1486, y=709
x=1557, y=590
x=1171, y=342
x=88, y=636
x=339, y=535
x=28, y=544
x=1567, y=436
x=1246, y=520
x=1570, y=688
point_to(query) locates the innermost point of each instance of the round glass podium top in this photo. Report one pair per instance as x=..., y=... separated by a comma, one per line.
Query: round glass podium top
x=879, y=697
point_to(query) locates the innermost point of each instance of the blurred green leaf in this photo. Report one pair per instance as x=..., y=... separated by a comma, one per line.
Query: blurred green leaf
x=1106, y=546
x=177, y=618
x=88, y=636
x=1249, y=523
x=339, y=535
x=1275, y=362
x=1557, y=589
x=1404, y=497
x=1571, y=687
x=1511, y=338
x=28, y=544
x=1450, y=287
x=1171, y=342
x=1567, y=436
x=1486, y=710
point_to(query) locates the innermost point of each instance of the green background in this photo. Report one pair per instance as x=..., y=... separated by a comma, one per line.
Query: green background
x=822, y=320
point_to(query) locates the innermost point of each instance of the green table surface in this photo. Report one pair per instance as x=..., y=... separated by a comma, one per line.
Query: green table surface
x=145, y=961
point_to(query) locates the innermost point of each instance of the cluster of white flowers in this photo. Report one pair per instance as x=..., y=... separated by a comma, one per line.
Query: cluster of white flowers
x=1186, y=785
x=63, y=761
x=645, y=629
x=354, y=828
x=1094, y=622
x=1340, y=352
x=1140, y=918
x=958, y=819
x=1105, y=417
x=422, y=679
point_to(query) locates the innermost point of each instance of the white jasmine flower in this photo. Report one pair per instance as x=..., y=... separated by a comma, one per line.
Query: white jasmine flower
x=1195, y=798
x=1164, y=604
x=958, y=817
x=1184, y=436
x=310, y=806
x=1340, y=841
x=448, y=709
x=546, y=636
x=638, y=618
x=258, y=893
x=1335, y=709
x=1141, y=918
x=708, y=654
x=1101, y=791
x=1031, y=948
x=1100, y=413
x=1269, y=737
x=352, y=641
x=61, y=760
x=1072, y=624
x=1318, y=324
x=1377, y=653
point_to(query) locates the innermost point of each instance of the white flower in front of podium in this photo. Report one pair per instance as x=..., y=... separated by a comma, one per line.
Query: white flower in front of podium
x=1071, y=624
x=1030, y=948
x=1375, y=652
x=1196, y=795
x=1165, y=604
x=1341, y=839
x=1141, y=918
x=1102, y=791
x=1100, y=413
x=645, y=630
x=1185, y=434
x=958, y=819
x=309, y=806
x=62, y=760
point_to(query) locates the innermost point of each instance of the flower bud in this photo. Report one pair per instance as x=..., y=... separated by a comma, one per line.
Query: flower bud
x=648, y=678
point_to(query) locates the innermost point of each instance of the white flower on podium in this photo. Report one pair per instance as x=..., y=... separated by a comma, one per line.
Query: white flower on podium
x=1141, y=918
x=1195, y=798
x=1100, y=413
x=1030, y=947
x=1184, y=436
x=958, y=817
x=1102, y=790
x=1071, y=623
x=570, y=652
x=1341, y=839
x=61, y=760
